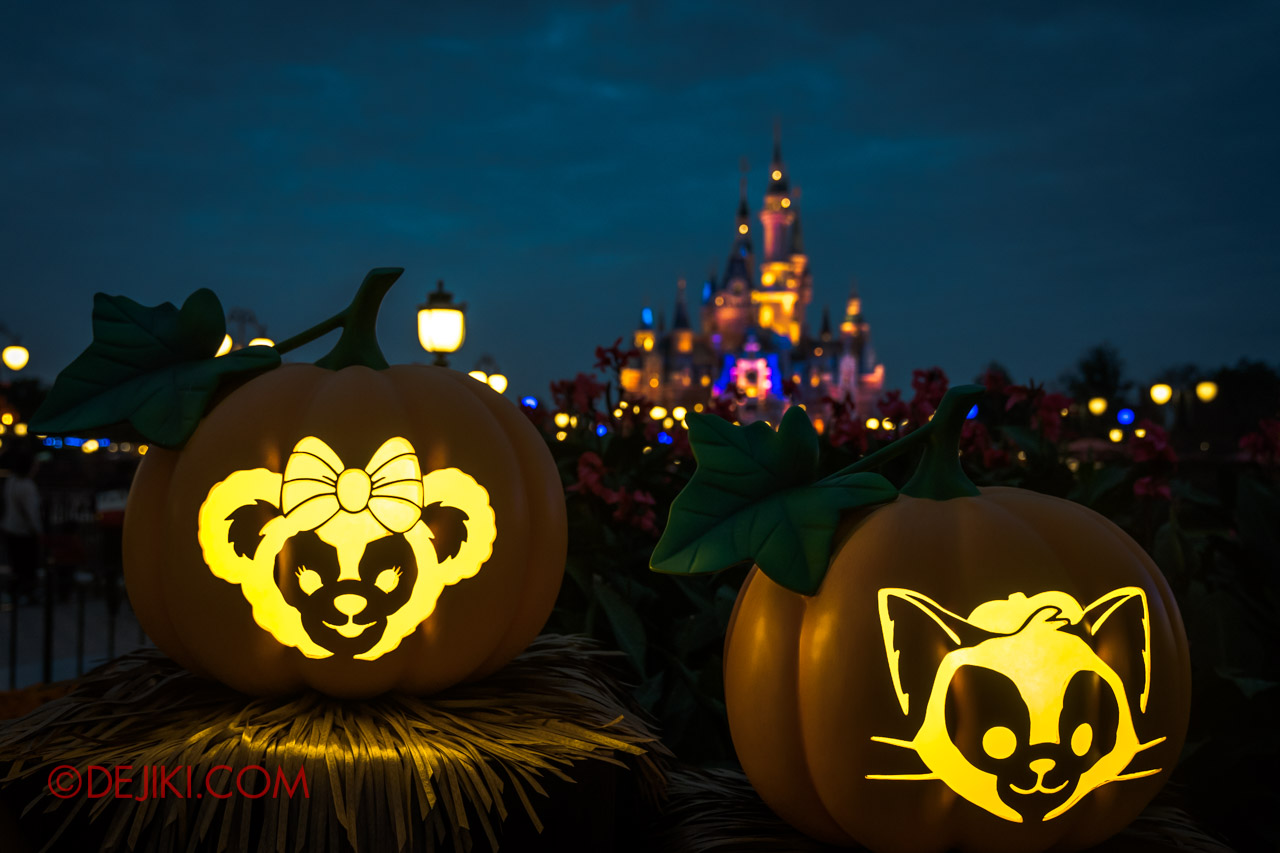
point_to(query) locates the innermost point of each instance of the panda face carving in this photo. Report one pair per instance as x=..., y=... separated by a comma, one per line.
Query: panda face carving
x=342, y=561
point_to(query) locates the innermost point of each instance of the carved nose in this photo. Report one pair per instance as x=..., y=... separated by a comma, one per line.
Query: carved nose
x=350, y=605
x=1039, y=767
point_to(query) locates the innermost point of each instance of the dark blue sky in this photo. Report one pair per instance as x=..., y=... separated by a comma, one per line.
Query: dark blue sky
x=1005, y=180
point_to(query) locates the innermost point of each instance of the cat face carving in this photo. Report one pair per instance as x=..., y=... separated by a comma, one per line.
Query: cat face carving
x=1022, y=715
x=345, y=561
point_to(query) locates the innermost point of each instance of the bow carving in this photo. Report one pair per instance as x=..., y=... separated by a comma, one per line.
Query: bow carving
x=317, y=485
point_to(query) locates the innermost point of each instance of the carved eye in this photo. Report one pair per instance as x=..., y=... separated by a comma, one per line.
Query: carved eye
x=1082, y=739
x=388, y=579
x=309, y=580
x=1000, y=742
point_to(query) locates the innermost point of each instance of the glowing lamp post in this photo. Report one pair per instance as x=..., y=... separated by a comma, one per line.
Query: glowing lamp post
x=15, y=357
x=441, y=324
x=487, y=371
x=1206, y=391
x=1161, y=394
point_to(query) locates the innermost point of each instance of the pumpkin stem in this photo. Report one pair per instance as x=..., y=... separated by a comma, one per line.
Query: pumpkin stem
x=358, y=343
x=939, y=476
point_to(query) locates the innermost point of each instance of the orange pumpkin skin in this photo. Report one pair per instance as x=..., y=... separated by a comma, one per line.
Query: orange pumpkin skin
x=478, y=623
x=808, y=685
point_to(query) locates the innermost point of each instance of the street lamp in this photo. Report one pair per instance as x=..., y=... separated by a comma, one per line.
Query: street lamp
x=1097, y=405
x=487, y=371
x=1161, y=393
x=1206, y=391
x=244, y=319
x=441, y=324
x=15, y=355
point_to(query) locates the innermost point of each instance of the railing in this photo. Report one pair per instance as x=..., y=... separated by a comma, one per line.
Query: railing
x=78, y=620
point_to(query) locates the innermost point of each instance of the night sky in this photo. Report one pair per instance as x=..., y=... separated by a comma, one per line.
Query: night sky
x=1005, y=181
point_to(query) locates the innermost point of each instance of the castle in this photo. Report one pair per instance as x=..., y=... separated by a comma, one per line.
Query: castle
x=750, y=328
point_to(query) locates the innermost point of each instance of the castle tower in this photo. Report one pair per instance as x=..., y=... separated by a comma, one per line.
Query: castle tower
x=733, y=308
x=784, y=288
x=777, y=214
x=681, y=332
x=859, y=374
x=748, y=326
x=648, y=374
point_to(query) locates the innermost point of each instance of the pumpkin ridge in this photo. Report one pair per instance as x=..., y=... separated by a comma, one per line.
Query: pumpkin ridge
x=527, y=603
x=1060, y=571
x=806, y=747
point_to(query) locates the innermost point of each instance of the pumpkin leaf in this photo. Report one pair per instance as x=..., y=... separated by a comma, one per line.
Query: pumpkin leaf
x=752, y=497
x=149, y=372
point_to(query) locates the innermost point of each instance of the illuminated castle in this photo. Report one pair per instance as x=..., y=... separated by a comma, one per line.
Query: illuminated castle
x=750, y=327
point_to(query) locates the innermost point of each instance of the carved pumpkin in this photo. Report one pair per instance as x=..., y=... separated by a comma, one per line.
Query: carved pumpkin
x=978, y=670
x=350, y=528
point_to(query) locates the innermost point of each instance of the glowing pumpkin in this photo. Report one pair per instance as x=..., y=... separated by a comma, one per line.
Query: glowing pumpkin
x=979, y=670
x=348, y=526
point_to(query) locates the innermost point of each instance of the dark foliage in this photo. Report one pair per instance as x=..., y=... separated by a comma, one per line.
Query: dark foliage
x=1209, y=519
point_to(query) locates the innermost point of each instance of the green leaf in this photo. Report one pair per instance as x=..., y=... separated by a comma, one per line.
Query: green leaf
x=1250, y=686
x=149, y=371
x=752, y=498
x=628, y=630
x=1094, y=485
x=1026, y=439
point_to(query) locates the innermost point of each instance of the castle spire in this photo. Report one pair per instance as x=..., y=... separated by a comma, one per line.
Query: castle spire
x=778, y=184
x=797, y=240
x=681, y=320
x=744, y=212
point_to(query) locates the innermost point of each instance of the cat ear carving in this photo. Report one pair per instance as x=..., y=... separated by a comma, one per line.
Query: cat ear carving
x=1114, y=621
x=930, y=632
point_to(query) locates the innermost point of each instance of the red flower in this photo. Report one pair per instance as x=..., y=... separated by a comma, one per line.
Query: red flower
x=591, y=472
x=614, y=358
x=1152, y=487
x=845, y=427
x=1153, y=446
x=1047, y=416
x=726, y=405
x=892, y=406
x=930, y=385
x=578, y=394
x=1030, y=393
x=636, y=508
x=1263, y=446
x=995, y=381
x=976, y=439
